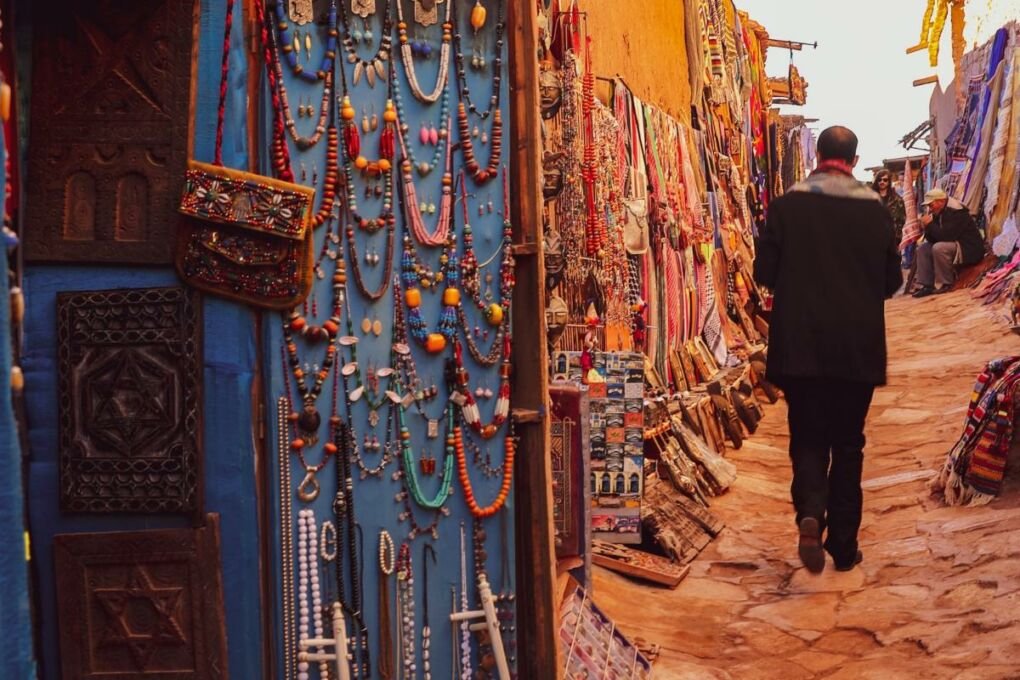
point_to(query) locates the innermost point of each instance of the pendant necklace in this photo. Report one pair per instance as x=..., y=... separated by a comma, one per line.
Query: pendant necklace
x=363, y=8
x=412, y=214
x=495, y=313
x=479, y=174
x=407, y=374
x=375, y=67
x=437, y=137
x=372, y=170
x=287, y=42
x=466, y=400
x=426, y=12
x=438, y=501
x=305, y=436
x=408, y=57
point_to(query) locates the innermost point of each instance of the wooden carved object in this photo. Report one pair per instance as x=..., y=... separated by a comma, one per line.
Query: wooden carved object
x=130, y=380
x=110, y=128
x=638, y=564
x=141, y=604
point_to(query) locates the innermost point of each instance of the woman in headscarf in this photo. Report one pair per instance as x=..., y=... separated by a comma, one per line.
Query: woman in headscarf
x=891, y=200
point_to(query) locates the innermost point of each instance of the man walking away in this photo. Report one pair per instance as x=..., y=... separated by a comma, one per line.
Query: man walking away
x=828, y=252
x=951, y=240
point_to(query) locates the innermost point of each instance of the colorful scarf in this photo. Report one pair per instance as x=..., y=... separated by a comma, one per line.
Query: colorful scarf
x=912, y=227
x=973, y=471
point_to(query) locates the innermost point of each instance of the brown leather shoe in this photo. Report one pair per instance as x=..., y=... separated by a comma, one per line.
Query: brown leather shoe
x=810, y=546
x=858, y=558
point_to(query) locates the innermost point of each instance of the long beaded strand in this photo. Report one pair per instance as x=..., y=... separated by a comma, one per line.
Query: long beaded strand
x=442, y=133
x=408, y=57
x=441, y=235
x=387, y=564
x=308, y=573
x=466, y=672
x=280, y=154
x=478, y=174
x=426, y=630
x=286, y=536
x=411, y=476
x=405, y=590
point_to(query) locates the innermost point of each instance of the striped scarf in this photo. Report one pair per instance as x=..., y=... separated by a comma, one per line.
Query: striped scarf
x=975, y=466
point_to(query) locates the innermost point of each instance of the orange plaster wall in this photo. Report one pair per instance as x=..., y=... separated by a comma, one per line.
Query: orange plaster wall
x=644, y=43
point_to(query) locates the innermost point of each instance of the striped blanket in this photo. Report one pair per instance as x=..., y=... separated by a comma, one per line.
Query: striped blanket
x=975, y=466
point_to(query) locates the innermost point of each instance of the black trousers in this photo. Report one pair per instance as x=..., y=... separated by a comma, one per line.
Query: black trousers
x=826, y=420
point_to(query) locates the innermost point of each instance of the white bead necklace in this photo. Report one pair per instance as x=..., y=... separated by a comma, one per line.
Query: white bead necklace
x=309, y=611
x=408, y=57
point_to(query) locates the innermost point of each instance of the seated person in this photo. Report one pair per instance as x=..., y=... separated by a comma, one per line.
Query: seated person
x=951, y=240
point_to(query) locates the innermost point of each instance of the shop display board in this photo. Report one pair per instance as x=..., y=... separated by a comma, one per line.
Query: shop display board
x=615, y=436
x=389, y=388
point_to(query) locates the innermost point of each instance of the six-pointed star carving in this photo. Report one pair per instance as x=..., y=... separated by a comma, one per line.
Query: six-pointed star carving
x=130, y=402
x=120, y=606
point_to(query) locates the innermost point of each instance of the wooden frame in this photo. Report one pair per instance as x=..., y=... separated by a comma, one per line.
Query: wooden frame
x=535, y=562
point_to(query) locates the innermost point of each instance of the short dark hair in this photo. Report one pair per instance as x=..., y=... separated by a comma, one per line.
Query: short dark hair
x=837, y=143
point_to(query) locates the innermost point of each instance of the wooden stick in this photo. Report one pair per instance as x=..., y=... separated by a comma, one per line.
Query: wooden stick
x=930, y=80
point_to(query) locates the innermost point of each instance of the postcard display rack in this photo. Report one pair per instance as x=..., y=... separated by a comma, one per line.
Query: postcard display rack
x=614, y=438
x=389, y=387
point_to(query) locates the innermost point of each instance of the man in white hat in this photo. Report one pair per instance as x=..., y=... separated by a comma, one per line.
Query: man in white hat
x=951, y=240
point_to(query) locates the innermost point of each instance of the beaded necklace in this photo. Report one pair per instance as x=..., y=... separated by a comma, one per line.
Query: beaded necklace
x=436, y=137
x=495, y=313
x=286, y=536
x=405, y=598
x=428, y=465
x=374, y=67
x=466, y=400
x=426, y=630
x=441, y=235
x=387, y=565
x=407, y=375
x=309, y=591
x=408, y=57
x=466, y=105
x=466, y=672
x=343, y=509
x=287, y=45
x=328, y=64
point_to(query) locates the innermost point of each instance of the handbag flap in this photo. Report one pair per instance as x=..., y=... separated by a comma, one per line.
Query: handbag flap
x=244, y=199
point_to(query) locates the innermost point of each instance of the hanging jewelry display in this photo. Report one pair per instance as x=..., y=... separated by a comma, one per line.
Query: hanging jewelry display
x=374, y=68
x=466, y=105
x=408, y=57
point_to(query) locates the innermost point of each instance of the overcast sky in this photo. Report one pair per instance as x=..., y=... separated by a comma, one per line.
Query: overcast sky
x=860, y=75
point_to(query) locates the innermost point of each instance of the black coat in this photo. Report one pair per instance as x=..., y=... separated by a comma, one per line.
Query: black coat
x=956, y=224
x=829, y=254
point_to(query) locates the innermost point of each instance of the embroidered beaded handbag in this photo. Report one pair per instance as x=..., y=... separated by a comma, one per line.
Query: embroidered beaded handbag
x=245, y=236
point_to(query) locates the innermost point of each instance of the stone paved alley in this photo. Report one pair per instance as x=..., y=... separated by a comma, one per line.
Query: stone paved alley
x=938, y=594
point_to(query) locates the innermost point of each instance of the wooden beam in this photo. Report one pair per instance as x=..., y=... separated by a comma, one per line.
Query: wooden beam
x=537, y=606
x=930, y=80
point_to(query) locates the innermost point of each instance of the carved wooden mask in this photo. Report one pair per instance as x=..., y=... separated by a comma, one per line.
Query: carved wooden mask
x=130, y=380
x=110, y=112
x=141, y=604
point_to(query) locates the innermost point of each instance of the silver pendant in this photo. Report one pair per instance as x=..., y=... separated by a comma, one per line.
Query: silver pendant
x=373, y=418
x=363, y=8
x=301, y=12
x=426, y=12
x=433, y=428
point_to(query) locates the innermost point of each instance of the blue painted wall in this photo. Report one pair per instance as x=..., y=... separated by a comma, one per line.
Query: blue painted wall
x=229, y=367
